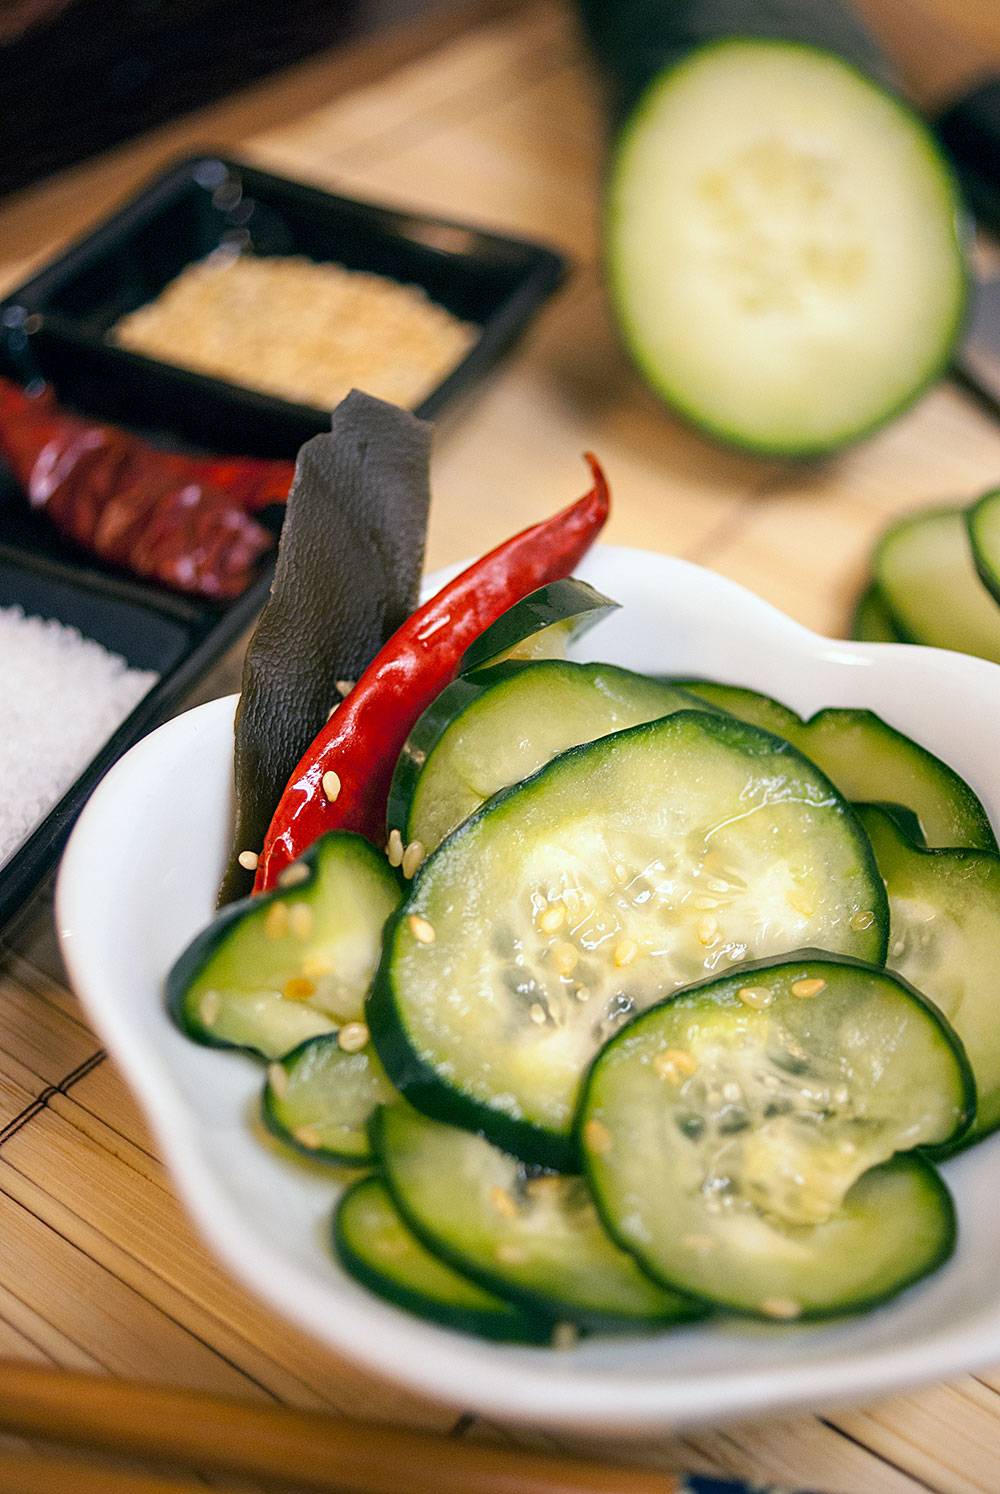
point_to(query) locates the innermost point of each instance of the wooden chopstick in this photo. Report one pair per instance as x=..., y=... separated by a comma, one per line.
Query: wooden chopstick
x=307, y=1448
x=44, y=1473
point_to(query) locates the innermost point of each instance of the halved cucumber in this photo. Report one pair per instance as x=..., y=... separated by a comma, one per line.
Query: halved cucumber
x=782, y=241
x=728, y=1135
x=983, y=523
x=622, y=870
x=376, y=1247
x=320, y=1097
x=944, y=936
x=868, y=760
x=535, y=1240
x=541, y=625
x=927, y=577
x=495, y=728
x=273, y=970
x=872, y=621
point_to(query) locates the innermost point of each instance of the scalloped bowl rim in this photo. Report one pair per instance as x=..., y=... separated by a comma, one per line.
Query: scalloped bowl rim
x=153, y=838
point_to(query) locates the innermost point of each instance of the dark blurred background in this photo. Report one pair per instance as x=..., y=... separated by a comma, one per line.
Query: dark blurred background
x=79, y=75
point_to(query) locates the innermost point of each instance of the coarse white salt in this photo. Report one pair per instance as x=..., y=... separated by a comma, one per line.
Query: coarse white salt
x=62, y=696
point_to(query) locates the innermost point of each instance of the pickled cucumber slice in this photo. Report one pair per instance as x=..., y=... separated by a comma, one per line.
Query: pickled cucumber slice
x=534, y=1239
x=320, y=1097
x=271, y=971
x=926, y=573
x=739, y=1137
x=541, y=625
x=624, y=869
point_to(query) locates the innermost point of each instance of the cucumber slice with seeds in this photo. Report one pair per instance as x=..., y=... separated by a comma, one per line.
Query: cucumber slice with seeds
x=534, y=1239
x=868, y=760
x=872, y=621
x=925, y=571
x=271, y=971
x=622, y=870
x=944, y=933
x=375, y=1246
x=541, y=625
x=782, y=244
x=319, y=1099
x=729, y=1135
x=495, y=728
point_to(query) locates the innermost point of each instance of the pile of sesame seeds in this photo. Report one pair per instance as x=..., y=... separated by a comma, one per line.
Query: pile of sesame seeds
x=63, y=696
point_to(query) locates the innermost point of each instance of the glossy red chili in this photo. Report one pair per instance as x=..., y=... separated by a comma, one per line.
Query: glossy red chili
x=180, y=520
x=363, y=738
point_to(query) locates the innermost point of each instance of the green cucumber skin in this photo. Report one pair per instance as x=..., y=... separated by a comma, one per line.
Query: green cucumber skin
x=533, y=1302
x=988, y=573
x=274, y=1124
x=872, y=620
x=922, y=1157
x=980, y=831
x=672, y=397
x=567, y=601
x=201, y=949
x=516, y=1327
x=904, y=819
x=420, y=1084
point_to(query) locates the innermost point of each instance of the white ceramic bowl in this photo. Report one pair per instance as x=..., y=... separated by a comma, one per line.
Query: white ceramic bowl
x=138, y=880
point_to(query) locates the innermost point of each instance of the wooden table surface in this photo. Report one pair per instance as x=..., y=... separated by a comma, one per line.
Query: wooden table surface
x=496, y=121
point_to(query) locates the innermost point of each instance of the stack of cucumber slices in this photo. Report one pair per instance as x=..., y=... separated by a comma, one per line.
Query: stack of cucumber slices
x=937, y=581
x=682, y=1003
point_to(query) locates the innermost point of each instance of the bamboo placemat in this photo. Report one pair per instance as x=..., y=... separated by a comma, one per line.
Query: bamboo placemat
x=497, y=121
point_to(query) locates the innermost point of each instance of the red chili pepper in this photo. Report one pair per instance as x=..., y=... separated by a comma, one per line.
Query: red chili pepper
x=366, y=733
x=181, y=520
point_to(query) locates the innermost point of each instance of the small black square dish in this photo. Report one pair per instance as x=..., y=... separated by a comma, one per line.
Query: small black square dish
x=55, y=329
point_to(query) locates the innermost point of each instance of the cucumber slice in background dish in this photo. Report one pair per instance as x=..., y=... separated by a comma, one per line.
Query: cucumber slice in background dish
x=983, y=523
x=739, y=1137
x=868, y=760
x=497, y=727
x=375, y=1246
x=535, y=1240
x=624, y=869
x=271, y=971
x=872, y=621
x=944, y=936
x=320, y=1098
x=541, y=625
x=783, y=248
x=926, y=574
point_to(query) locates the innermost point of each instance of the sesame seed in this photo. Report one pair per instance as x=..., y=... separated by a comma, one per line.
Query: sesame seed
x=331, y=785
x=249, y=860
x=300, y=920
x=412, y=857
x=352, y=1037
x=581, y=993
x=756, y=997
x=394, y=848
x=421, y=930
x=565, y=957
x=862, y=920
x=503, y=1202
x=597, y=1137
x=625, y=952
x=810, y=987
x=314, y=967
x=344, y=687
x=334, y=708
x=308, y=1136
x=565, y=1336
x=675, y=1065
x=509, y=1253
x=537, y=1013
x=209, y=1007
x=276, y=921
x=293, y=875
x=801, y=902
x=277, y=1078
x=552, y=919
x=706, y=929
x=298, y=989
x=781, y=1307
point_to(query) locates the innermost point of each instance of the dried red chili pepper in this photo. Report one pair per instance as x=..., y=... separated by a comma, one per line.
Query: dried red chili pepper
x=365, y=735
x=180, y=520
